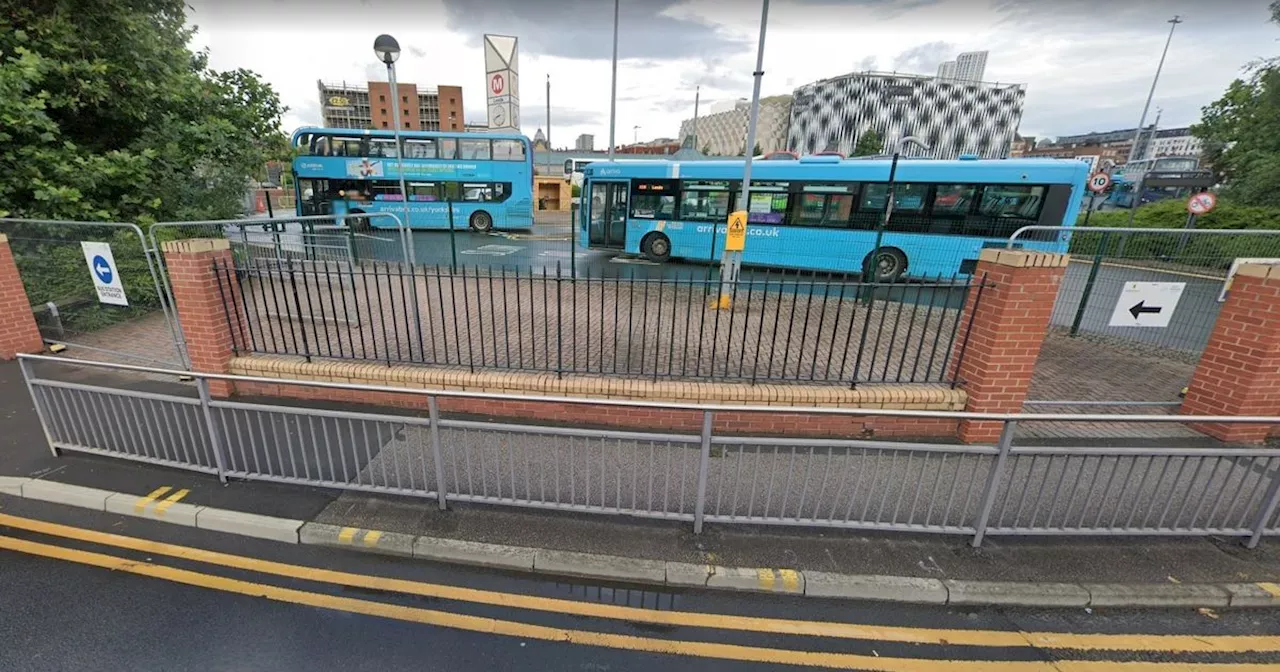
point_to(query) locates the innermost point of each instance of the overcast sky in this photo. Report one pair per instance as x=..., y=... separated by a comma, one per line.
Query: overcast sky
x=1087, y=64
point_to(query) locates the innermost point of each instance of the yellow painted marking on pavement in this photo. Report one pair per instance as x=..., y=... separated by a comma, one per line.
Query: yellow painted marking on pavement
x=765, y=577
x=143, y=502
x=790, y=579
x=170, y=501
x=990, y=638
x=1272, y=588
x=347, y=534
x=587, y=638
x=371, y=537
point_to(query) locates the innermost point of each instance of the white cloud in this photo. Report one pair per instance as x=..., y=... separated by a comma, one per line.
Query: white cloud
x=1087, y=64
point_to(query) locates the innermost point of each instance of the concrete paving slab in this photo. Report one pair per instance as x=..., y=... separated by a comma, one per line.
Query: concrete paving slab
x=1015, y=593
x=757, y=579
x=474, y=553
x=1157, y=595
x=1253, y=594
x=863, y=587
x=12, y=485
x=595, y=566
x=688, y=574
x=61, y=493
x=375, y=541
x=249, y=524
x=169, y=512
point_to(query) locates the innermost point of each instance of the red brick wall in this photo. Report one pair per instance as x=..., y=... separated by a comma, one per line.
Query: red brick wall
x=18, y=331
x=1009, y=325
x=207, y=304
x=647, y=419
x=1239, y=372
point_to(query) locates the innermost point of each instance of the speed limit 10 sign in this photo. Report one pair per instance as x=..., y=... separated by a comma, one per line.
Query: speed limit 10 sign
x=1098, y=182
x=1201, y=203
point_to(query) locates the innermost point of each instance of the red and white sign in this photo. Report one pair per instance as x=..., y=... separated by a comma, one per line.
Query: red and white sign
x=1201, y=203
x=1098, y=182
x=497, y=84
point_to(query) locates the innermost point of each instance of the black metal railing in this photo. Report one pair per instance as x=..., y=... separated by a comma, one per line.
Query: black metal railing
x=780, y=326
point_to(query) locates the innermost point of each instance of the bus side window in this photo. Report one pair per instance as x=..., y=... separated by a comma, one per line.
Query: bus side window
x=420, y=148
x=448, y=148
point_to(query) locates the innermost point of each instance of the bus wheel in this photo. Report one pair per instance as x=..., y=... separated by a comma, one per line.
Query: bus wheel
x=656, y=247
x=481, y=221
x=358, y=221
x=888, y=263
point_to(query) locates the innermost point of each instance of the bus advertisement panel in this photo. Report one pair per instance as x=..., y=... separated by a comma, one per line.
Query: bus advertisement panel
x=486, y=178
x=823, y=213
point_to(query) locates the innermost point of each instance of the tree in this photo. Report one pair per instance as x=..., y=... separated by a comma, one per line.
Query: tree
x=706, y=150
x=869, y=143
x=756, y=151
x=1241, y=133
x=105, y=114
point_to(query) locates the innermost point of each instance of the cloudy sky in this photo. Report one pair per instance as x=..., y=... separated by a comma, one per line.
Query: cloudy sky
x=1087, y=64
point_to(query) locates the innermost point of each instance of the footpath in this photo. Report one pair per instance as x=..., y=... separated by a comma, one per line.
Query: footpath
x=1071, y=572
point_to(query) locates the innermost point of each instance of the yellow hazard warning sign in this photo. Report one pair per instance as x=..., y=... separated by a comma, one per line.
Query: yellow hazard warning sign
x=735, y=238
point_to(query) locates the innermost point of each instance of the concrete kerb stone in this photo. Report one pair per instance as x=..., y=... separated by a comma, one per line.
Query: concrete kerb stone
x=608, y=567
x=1157, y=595
x=62, y=493
x=1253, y=594
x=688, y=574
x=474, y=553
x=376, y=541
x=757, y=579
x=1017, y=593
x=868, y=587
x=249, y=524
x=171, y=512
x=12, y=485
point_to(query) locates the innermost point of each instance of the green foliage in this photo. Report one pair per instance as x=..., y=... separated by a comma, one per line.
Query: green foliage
x=706, y=150
x=869, y=143
x=575, y=190
x=756, y=151
x=1241, y=133
x=1209, y=251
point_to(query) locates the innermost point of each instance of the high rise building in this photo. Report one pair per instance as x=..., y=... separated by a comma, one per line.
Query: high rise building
x=953, y=117
x=585, y=143
x=1172, y=142
x=724, y=131
x=971, y=66
x=371, y=106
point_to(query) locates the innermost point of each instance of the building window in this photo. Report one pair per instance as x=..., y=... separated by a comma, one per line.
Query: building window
x=406, y=124
x=404, y=99
x=384, y=124
x=404, y=112
x=382, y=99
x=451, y=101
x=384, y=111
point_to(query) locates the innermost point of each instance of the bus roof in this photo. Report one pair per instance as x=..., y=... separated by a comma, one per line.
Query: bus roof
x=1056, y=171
x=408, y=134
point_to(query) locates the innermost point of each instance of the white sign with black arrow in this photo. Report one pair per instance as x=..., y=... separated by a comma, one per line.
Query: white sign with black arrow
x=1146, y=304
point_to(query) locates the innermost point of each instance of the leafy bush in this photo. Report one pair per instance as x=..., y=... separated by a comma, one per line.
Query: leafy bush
x=1210, y=251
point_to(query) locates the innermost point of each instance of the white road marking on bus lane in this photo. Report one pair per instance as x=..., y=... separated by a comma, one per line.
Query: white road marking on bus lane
x=493, y=250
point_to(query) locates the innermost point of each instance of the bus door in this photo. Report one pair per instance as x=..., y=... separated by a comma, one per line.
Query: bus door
x=607, y=214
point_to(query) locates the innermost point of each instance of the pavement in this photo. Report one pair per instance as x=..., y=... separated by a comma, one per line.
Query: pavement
x=91, y=590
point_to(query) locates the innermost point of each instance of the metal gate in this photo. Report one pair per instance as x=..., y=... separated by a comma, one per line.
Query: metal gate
x=1098, y=348
x=60, y=285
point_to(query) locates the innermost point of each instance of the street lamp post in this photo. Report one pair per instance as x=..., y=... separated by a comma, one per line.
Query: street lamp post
x=635, y=135
x=1137, y=136
x=613, y=86
x=388, y=50
x=873, y=263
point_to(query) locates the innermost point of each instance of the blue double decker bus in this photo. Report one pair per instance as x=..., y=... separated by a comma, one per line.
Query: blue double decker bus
x=822, y=212
x=1150, y=180
x=486, y=178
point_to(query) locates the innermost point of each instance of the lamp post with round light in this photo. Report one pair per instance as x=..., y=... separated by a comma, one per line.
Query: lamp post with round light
x=388, y=50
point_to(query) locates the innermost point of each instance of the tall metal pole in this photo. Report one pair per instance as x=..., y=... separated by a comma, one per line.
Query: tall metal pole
x=395, y=119
x=731, y=261
x=613, y=86
x=697, y=93
x=1137, y=137
x=548, y=124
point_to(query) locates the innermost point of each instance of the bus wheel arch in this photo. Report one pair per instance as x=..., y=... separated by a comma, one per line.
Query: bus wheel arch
x=656, y=246
x=481, y=221
x=888, y=263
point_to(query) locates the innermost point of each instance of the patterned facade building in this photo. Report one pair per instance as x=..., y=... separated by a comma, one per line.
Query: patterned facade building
x=953, y=117
x=724, y=132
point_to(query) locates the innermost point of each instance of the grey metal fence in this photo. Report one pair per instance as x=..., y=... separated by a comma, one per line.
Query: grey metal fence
x=1001, y=489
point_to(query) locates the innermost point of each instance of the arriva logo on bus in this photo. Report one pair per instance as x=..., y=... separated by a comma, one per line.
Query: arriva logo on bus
x=753, y=232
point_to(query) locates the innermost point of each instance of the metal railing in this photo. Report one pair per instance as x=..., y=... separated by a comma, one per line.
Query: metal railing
x=977, y=490
x=810, y=327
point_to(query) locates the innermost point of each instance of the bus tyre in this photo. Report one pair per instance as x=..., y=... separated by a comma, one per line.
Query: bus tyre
x=656, y=247
x=887, y=263
x=481, y=221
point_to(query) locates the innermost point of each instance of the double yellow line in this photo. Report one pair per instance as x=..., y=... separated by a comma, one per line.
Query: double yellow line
x=1147, y=643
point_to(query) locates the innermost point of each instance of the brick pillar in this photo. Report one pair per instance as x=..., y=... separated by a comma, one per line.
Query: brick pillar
x=1239, y=372
x=996, y=357
x=18, y=331
x=208, y=297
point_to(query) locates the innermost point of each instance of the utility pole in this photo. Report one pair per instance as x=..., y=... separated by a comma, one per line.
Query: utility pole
x=697, y=93
x=613, y=86
x=1137, y=137
x=549, y=146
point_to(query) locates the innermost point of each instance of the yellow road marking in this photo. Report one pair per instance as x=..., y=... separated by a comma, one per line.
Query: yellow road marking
x=765, y=577
x=371, y=537
x=588, y=638
x=170, y=501
x=347, y=534
x=790, y=579
x=993, y=638
x=1271, y=588
x=143, y=502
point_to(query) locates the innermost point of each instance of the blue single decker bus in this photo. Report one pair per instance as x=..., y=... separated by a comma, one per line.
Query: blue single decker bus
x=1157, y=179
x=487, y=177
x=822, y=212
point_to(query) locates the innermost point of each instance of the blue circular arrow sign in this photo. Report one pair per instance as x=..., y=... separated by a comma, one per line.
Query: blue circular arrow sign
x=102, y=269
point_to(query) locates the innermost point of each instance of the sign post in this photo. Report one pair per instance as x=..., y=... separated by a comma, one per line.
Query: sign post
x=1199, y=204
x=1098, y=183
x=735, y=241
x=105, y=274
